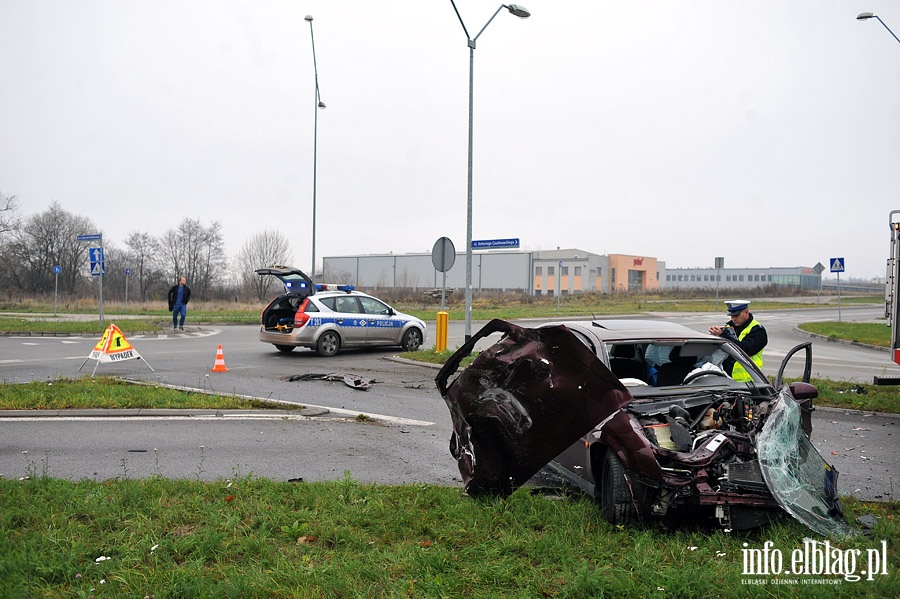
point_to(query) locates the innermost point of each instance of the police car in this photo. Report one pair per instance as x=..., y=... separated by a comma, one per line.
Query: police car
x=328, y=317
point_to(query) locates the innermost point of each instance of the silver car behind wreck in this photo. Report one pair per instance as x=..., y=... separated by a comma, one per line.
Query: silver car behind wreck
x=639, y=416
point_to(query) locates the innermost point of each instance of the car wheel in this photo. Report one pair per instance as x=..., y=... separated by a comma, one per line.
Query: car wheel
x=329, y=343
x=616, y=504
x=412, y=339
x=285, y=349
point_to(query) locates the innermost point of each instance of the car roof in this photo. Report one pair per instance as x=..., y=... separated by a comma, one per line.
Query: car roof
x=630, y=329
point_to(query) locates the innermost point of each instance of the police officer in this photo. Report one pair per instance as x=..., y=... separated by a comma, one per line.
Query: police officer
x=746, y=331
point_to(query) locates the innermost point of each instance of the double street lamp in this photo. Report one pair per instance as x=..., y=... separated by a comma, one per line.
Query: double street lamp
x=522, y=13
x=865, y=16
x=318, y=104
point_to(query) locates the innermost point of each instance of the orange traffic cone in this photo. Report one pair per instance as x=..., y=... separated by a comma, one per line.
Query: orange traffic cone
x=220, y=361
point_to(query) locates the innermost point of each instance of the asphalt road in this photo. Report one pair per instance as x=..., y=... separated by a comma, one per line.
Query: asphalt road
x=403, y=440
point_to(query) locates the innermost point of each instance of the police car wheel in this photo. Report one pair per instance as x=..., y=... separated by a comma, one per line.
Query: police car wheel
x=412, y=339
x=285, y=349
x=329, y=344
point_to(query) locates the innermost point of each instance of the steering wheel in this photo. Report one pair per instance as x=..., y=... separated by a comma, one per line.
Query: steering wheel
x=690, y=378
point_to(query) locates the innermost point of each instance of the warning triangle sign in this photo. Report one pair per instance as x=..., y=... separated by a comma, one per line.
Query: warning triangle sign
x=113, y=347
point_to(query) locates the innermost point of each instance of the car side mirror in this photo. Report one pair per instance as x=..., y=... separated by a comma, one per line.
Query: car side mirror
x=802, y=391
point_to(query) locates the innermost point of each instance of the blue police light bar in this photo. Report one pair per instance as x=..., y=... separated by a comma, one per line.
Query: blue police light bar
x=332, y=287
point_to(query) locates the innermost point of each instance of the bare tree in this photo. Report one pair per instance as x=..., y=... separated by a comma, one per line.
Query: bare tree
x=46, y=240
x=8, y=219
x=261, y=250
x=195, y=252
x=143, y=257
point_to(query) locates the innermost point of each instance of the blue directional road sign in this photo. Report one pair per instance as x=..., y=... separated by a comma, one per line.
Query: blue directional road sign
x=57, y=269
x=837, y=265
x=98, y=264
x=89, y=237
x=484, y=244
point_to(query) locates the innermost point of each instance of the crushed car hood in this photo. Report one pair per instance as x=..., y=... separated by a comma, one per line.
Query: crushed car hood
x=523, y=401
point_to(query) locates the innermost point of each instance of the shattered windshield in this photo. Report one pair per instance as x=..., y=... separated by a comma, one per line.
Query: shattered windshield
x=799, y=478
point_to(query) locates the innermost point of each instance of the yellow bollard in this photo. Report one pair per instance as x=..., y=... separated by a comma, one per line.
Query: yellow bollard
x=443, y=325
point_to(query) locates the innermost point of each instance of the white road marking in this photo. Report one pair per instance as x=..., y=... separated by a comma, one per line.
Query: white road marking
x=223, y=416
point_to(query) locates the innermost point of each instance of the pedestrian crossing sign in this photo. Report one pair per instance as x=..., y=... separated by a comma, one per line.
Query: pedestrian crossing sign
x=837, y=265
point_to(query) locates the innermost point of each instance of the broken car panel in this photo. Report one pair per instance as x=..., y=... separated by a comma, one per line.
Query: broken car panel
x=522, y=402
x=641, y=417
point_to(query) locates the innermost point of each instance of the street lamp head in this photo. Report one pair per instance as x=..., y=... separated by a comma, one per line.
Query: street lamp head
x=863, y=16
x=518, y=10
x=308, y=18
x=321, y=104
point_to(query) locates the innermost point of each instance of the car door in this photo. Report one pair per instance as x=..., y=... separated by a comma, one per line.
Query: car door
x=382, y=327
x=348, y=317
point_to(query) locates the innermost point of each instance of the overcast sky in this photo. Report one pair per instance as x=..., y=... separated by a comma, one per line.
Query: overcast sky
x=767, y=132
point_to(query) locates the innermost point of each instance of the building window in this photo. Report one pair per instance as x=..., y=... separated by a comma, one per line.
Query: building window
x=551, y=270
x=740, y=277
x=563, y=271
x=538, y=270
x=577, y=271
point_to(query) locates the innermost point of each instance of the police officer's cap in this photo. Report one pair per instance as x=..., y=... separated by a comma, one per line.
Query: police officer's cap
x=737, y=306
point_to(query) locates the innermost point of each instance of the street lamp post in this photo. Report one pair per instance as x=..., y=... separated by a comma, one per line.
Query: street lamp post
x=865, y=16
x=522, y=13
x=318, y=105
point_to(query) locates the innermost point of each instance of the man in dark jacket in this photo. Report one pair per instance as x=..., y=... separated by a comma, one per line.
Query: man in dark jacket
x=745, y=331
x=179, y=296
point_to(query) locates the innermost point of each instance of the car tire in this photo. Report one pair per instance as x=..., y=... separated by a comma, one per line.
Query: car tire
x=329, y=344
x=412, y=339
x=616, y=502
x=285, y=349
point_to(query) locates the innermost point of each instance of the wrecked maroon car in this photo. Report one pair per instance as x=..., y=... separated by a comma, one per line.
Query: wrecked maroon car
x=640, y=415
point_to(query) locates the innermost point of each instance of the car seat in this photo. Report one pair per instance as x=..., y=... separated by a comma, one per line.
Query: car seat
x=674, y=371
x=625, y=362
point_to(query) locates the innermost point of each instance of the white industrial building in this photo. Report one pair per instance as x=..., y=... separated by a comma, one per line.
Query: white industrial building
x=553, y=272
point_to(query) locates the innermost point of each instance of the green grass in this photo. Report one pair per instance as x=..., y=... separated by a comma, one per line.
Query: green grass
x=253, y=537
x=861, y=332
x=105, y=392
x=593, y=304
x=857, y=396
x=154, y=316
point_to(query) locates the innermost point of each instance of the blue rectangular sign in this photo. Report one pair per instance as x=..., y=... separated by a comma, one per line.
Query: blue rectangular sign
x=91, y=237
x=837, y=265
x=98, y=262
x=495, y=243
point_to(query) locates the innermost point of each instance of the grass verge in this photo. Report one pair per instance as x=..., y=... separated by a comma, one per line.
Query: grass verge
x=107, y=392
x=860, y=332
x=258, y=538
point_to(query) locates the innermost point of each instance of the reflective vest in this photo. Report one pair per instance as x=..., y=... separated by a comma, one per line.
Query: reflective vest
x=739, y=373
